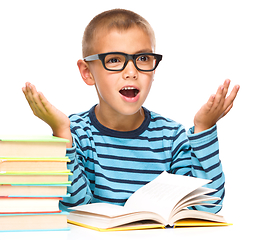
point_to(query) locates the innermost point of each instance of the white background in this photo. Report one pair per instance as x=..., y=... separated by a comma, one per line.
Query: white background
x=202, y=42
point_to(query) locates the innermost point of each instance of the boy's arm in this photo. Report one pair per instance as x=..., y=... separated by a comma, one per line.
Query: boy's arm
x=197, y=154
x=58, y=121
x=206, y=164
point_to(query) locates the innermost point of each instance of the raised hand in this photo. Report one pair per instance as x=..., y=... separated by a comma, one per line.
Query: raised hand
x=43, y=109
x=217, y=107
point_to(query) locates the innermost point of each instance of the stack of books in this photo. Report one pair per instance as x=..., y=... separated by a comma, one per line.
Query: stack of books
x=33, y=179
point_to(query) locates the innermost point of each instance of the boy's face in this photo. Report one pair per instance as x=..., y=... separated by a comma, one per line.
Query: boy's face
x=125, y=91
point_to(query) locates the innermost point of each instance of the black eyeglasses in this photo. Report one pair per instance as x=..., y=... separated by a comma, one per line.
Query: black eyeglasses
x=117, y=61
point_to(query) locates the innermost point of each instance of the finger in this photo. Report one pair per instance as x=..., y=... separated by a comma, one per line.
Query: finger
x=30, y=99
x=34, y=100
x=28, y=95
x=31, y=105
x=46, y=104
x=221, y=94
x=33, y=90
x=230, y=99
x=218, y=97
x=210, y=102
x=225, y=87
x=25, y=89
x=226, y=83
x=226, y=111
x=35, y=97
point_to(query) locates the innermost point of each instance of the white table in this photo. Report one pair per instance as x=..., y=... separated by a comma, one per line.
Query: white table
x=78, y=233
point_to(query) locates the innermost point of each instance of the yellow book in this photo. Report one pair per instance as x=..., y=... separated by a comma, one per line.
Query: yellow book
x=199, y=223
x=143, y=225
x=128, y=227
x=33, y=164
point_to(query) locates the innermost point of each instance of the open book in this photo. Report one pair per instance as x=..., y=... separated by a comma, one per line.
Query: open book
x=163, y=201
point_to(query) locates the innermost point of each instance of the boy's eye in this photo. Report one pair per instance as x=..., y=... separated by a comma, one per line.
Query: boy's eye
x=113, y=60
x=143, y=58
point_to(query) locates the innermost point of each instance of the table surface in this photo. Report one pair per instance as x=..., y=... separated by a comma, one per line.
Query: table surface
x=77, y=233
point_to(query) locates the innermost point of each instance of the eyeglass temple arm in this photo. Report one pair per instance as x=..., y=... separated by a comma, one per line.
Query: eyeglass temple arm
x=92, y=57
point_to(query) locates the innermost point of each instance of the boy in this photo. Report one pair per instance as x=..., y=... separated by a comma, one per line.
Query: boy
x=118, y=146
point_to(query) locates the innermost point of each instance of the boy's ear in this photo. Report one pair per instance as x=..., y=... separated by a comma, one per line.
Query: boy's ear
x=85, y=72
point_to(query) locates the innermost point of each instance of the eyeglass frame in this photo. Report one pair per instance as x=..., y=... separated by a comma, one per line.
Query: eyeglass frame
x=128, y=57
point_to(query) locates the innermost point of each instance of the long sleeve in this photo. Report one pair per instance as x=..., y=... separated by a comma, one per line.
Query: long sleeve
x=198, y=155
x=206, y=163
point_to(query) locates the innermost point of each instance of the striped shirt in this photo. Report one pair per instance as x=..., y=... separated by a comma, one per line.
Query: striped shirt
x=108, y=165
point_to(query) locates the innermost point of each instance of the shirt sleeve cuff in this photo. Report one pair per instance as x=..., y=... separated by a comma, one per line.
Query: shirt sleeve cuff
x=72, y=150
x=205, y=136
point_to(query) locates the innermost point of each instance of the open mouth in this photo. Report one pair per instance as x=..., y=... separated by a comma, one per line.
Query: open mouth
x=129, y=92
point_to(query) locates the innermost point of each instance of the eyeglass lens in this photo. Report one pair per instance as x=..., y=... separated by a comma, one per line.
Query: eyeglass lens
x=117, y=61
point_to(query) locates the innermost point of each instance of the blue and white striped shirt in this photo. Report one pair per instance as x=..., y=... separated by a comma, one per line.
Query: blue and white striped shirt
x=108, y=165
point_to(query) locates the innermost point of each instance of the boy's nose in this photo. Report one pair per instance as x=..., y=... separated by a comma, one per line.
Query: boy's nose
x=130, y=71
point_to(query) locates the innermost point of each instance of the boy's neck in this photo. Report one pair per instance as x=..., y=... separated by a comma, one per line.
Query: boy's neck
x=119, y=122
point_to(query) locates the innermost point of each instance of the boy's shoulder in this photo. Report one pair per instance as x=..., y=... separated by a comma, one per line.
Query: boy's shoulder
x=79, y=116
x=159, y=120
x=80, y=120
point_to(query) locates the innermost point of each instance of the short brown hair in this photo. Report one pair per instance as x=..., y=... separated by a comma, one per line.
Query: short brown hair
x=120, y=19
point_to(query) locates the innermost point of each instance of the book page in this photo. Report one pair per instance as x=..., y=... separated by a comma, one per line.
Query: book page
x=106, y=209
x=163, y=193
x=201, y=191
